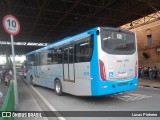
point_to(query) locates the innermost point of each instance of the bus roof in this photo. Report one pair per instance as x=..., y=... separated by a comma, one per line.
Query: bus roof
x=70, y=39
x=63, y=41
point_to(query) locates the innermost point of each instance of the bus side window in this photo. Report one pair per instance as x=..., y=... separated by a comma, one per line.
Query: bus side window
x=31, y=60
x=42, y=58
x=49, y=58
x=65, y=55
x=57, y=56
x=71, y=53
x=59, y=51
x=83, y=50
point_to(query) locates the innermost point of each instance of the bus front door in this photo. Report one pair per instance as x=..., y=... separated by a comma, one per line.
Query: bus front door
x=36, y=65
x=68, y=63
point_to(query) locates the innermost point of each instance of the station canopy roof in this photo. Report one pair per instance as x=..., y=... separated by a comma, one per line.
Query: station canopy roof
x=46, y=21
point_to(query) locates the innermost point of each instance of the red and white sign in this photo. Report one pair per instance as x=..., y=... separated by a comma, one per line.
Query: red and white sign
x=11, y=24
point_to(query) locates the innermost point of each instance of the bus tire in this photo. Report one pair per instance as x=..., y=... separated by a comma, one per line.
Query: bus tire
x=31, y=81
x=58, y=87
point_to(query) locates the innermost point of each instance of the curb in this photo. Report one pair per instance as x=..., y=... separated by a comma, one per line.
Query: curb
x=149, y=86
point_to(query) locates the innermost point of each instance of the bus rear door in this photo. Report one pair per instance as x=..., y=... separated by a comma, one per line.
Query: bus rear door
x=68, y=63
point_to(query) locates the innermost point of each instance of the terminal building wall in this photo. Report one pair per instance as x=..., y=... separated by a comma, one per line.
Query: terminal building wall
x=148, y=41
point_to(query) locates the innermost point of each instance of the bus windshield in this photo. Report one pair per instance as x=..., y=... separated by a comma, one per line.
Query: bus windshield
x=118, y=42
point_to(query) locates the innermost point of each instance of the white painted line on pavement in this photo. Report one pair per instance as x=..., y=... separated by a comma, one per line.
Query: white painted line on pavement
x=47, y=103
x=130, y=96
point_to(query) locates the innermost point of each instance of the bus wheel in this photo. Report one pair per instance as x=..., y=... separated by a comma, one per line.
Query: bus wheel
x=58, y=87
x=31, y=81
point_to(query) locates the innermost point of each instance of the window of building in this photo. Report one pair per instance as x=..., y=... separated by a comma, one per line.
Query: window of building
x=149, y=40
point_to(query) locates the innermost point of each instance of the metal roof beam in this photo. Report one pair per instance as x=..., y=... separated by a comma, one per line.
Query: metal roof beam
x=110, y=3
x=38, y=16
x=67, y=13
x=111, y=9
x=107, y=8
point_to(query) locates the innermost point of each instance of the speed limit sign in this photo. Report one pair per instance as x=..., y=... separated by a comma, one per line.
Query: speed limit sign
x=11, y=24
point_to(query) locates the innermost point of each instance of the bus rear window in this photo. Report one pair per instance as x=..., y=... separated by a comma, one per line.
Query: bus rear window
x=118, y=42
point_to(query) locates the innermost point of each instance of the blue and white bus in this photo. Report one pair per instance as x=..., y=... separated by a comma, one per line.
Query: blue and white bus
x=97, y=62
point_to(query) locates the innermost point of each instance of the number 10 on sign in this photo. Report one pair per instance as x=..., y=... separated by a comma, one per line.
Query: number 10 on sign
x=11, y=25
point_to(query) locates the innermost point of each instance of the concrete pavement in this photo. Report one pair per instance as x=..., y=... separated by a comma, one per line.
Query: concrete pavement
x=26, y=100
x=141, y=99
x=149, y=83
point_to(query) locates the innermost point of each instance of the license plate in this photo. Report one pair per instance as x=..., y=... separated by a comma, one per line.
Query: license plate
x=122, y=74
x=122, y=84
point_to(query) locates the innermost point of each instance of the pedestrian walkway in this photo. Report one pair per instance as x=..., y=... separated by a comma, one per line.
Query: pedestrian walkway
x=26, y=100
x=3, y=92
x=149, y=83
